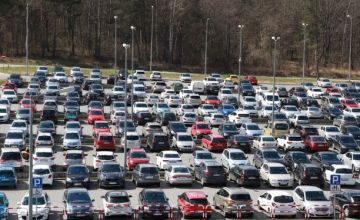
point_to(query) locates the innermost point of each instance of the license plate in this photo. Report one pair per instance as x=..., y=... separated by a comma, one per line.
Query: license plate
x=43, y=160
x=112, y=183
x=157, y=213
x=251, y=178
x=148, y=177
x=106, y=142
x=161, y=142
x=77, y=184
x=313, y=177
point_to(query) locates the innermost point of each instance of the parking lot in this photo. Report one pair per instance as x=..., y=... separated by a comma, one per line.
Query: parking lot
x=56, y=191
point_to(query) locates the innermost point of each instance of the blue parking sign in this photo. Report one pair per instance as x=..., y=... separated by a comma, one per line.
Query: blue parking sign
x=37, y=183
x=335, y=180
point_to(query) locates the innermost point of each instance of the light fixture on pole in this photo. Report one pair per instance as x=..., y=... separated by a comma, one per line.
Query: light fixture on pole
x=350, y=46
x=152, y=34
x=240, y=58
x=126, y=47
x=206, y=46
x=304, y=51
x=115, y=46
x=132, y=71
x=275, y=39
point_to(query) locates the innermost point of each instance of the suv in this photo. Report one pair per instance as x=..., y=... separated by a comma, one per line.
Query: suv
x=111, y=174
x=157, y=141
x=175, y=127
x=158, y=87
x=267, y=155
x=77, y=204
x=154, y=203
x=210, y=172
x=77, y=175
x=146, y=174
x=308, y=174
x=194, y=204
x=245, y=175
x=48, y=114
x=74, y=157
x=165, y=117
x=11, y=157
x=104, y=141
x=141, y=118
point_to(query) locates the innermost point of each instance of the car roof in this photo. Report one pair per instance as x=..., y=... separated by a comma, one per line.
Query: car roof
x=75, y=151
x=137, y=150
x=7, y=168
x=211, y=163
x=76, y=189
x=231, y=150
x=278, y=193
x=340, y=166
x=146, y=165
x=236, y=190
x=10, y=150
x=43, y=149
x=310, y=188
x=105, y=134
x=274, y=164
x=196, y=195
x=117, y=193
x=41, y=166
x=101, y=121
x=169, y=152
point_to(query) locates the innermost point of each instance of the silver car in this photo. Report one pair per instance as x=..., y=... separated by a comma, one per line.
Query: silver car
x=178, y=174
x=146, y=174
x=71, y=140
x=200, y=156
x=23, y=114
x=73, y=157
x=73, y=126
x=188, y=118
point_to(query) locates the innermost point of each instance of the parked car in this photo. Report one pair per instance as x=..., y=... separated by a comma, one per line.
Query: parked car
x=117, y=204
x=314, y=143
x=266, y=155
x=308, y=174
x=290, y=142
x=164, y=159
x=111, y=174
x=214, y=142
x=325, y=159
x=210, y=172
x=7, y=179
x=293, y=158
x=136, y=156
x=200, y=156
x=77, y=175
x=277, y=203
x=78, y=204
x=41, y=206
x=157, y=141
x=244, y=175
x=347, y=202
x=276, y=175
x=239, y=141
x=154, y=203
x=178, y=174
x=345, y=143
x=194, y=204
x=146, y=174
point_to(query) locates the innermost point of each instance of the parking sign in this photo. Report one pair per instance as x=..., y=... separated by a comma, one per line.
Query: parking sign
x=37, y=183
x=335, y=183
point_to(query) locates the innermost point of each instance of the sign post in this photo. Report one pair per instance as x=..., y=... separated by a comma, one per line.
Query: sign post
x=335, y=186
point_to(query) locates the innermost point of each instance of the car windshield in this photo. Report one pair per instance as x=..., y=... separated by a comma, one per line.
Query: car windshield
x=149, y=170
x=249, y=107
x=347, y=139
x=291, y=108
x=139, y=89
x=208, y=107
x=237, y=156
x=230, y=127
x=283, y=199
x=329, y=156
x=271, y=155
x=111, y=168
x=152, y=197
x=106, y=138
x=138, y=155
x=118, y=199
x=315, y=196
x=73, y=156
x=356, y=156
x=162, y=105
x=353, y=129
x=355, y=110
x=78, y=197
x=72, y=136
x=73, y=170
x=344, y=171
x=240, y=197
x=6, y=173
x=44, y=138
x=14, y=135
x=3, y=110
x=73, y=125
x=18, y=125
x=190, y=115
x=44, y=154
x=96, y=113
x=253, y=127
x=318, y=139
x=105, y=157
x=41, y=171
x=228, y=107
x=181, y=170
x=278, y=170
x=170, y=116
x=311, y=130
x=133, y=137
x=102, y=125
x=185, y=138
x=218, y=140
x=202, y=126
x=281, y=126
x=204, y=156
x=46, y=125
x=171, y=156
x=270, y=139
x=270, y=98
x=35, y=201
x=300, y=157
x=241, y=138
x=8, y=92
x=11, y=156
x=294, y=138
x=332, y=129
x=198, y=201
x=212, y=98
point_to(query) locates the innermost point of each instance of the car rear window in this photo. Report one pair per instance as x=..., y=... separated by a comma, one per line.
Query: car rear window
x=251, y=172
x=44, y=154
x=199, y=201
x=344, y=171
x=215, y=169
x=105, y=157
x=44, y=138
x=118, y=199
x=281, y=126
x=73, y=156
x=295, y=138
x=41, y=171
x=218, y=140
x=6, y=173
x=11, y=156
x=106, y=138
x=149, y=170
x=283, y=199
x=240, y=197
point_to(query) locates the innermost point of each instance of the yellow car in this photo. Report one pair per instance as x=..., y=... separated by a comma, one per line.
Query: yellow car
x=233, y=78
x=281, y=128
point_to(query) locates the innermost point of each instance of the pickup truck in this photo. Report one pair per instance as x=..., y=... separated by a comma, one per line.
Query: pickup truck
x=299, y=120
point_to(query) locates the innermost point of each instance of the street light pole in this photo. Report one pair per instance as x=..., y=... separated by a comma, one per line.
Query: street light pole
x=27, y=39
x=304, y=51
x=206, y=45
x=115, y=47
x=30, y=162
x=350, y=46
x=275, y=39
x=126, y=46
x=152, y=33
x=132, y=71
x=240, y=58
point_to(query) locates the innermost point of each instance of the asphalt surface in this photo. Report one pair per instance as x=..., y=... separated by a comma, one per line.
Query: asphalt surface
x=55, y=193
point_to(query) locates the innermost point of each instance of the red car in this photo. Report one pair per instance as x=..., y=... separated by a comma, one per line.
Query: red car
x=9, y=86
x=252, y=79
x=213, y=100
x=199, y=129
x=95, y=115
x=104, y=141
x=25, y=103
x=194, y=204
x=316, y=143
x=100, y=126
x=214, y=142
x=136, y=156
x=332, y=90
x=349, y=103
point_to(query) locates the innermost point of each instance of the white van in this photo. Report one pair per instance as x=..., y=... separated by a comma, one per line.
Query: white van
x=197, y=87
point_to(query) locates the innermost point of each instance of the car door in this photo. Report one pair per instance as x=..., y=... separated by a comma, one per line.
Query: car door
x=225, y=158
x=348, y=159
x=264, y=172
x=258, y=158
x=159, y=158
x=262, y=199
x=299, y=198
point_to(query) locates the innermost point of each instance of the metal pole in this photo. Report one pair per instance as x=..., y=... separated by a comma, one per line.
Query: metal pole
x=152, y=33
x=115, y=47
x=132, y=71
x=350, y=46
x=27, y=39
x=206, y=45
x=275, y=39
x=240, y=59
x=126, y=46
x=30, y=162
x=304, y=51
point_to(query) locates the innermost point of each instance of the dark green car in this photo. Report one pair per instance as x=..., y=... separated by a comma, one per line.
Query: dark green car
x=71, y=115
x=177, y=87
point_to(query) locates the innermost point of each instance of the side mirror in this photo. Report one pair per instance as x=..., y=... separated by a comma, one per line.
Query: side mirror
x=93, y=200
x=130, y=196
x=102, y=197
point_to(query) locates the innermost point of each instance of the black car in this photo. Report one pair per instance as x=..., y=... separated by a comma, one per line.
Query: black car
x=332, y=112
x=293, y=158
x=98, y=89
x=212, y=89
x=49, y=114
x=305, y=130
x=15, y=79
x=247, y=90
x=78, y=77
x=86, y=84
x=345, y=143
x=111, y=174
x=154, y=203
x=289, y=101
x=239, y=141
x=122, y=74
x=244, y=175
x=210, y=172
x=134, y=99
x=308, y=174
x=41, y=76
x=309, y=103
x=164, y=117
x=349, y=201
x=157, y=141
x=73, y=96
x=228, y=129
x=141, y=118
x=353, y=95
x=325, y=159
x=90, y=96
x=110, y=80
x=282, y=92
x=77, y=175
x=47, y=126
x=175, y=127
x=77, y=204
x=351, y=130
x=109, y=98
x=120, y=126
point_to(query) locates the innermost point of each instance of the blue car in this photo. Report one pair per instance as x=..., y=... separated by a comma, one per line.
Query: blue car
x=8, y=177
x=4, y=204
x=226, y=109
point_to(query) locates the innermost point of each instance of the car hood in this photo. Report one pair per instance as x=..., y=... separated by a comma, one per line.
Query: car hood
x=112, y=175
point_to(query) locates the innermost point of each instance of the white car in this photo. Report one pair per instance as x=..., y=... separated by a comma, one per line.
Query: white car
x=355, y=112
x=200, y=156
x=11, y=157
x=140, y=107
x=229, y=84
x=44, y=140
x=164, y=159
x=267, y=99
x=103, y=156
x=155, y=76
x=183, y=142
x=173, y=101
x=117, y=203
x=314, y=112
x=261, y=89
x=44, y=69
x=264, y=141
x=276, y=175
x=44, y=172
x=178, y=174
x=117, y=116
x=15, y=139
x=188, y=118
x=74, y=69
x=248, y=100
x=346, y=175
x=251, y=129
x=277, y=203
x=312, y=200
x=52, y=81
x=139, y=90
x=341, y=86
x=71, y=140
x=73, y=126
x=315, y=92
x=251, y=110
x=151, y=99
x=5, y=103
x=44, y=156
x=34, y=86
x=4, y=114
x=267, y=110
x=352, y=159
x=215, y=119
x=329, y=132
x=130, y=79
x=290, y=142
x=41, y=207
x=323, y=82
x=185, y=93
x=118, y=90
x=185, y=77
x=184, y=108
x=10, y=95
x=232, y=157
x=133, y=140
x=167, y=93
x=206, y=109
x=290, y=111
x=224, y=93
x=140, y=74
x=61, y=77
x=210, y=81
